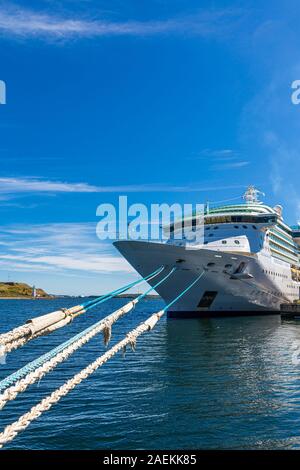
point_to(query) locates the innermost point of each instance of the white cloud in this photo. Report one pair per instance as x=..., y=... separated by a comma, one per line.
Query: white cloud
x=231, y=165
x=222, y=159
x=13, y=185
x=24, y=23
x=10, y=187
x=217, y=153
x=60, y=247
x=69, y=261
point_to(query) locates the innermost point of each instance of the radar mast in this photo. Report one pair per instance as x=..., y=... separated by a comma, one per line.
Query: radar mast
x=251, y=195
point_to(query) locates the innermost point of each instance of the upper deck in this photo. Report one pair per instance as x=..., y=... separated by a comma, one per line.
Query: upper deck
x=233, y=227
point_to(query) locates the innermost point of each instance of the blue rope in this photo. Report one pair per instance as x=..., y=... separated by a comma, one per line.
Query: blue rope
x=94, y=303
x=141, y=296
x=31, y=366
x=109, y=295
x=183, y=292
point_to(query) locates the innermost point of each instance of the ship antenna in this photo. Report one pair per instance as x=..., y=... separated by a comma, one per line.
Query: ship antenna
x=251, y=195
x=207, y=207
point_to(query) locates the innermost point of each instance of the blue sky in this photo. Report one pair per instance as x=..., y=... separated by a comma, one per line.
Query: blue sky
x=165, y=101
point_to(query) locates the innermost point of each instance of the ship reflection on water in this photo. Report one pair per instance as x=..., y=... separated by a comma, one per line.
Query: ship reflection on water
x=235, y=379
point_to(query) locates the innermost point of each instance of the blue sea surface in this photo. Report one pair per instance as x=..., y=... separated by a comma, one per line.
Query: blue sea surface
x=228, y=383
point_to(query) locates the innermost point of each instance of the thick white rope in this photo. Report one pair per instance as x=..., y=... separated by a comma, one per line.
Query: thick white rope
x=12, y=430
x=15, y=334
x=39, y=324
x=18, y=343
x=45, y=324
x=36, y=327
x=105, y=326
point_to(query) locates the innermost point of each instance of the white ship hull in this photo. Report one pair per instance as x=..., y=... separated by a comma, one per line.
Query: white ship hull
x=263, y=285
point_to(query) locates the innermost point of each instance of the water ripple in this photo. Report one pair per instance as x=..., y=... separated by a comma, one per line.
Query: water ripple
x=221, y=383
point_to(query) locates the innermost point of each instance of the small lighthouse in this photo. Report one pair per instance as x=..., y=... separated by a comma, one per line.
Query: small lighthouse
x=33, y=294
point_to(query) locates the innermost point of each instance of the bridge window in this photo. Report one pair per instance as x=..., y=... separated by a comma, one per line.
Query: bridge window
x=250, y=219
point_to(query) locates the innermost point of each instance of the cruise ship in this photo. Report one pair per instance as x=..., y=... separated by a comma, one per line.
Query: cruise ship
x=248, y=255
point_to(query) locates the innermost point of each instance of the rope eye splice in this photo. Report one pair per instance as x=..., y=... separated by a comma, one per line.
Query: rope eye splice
x=50, y=322
x=12, y=430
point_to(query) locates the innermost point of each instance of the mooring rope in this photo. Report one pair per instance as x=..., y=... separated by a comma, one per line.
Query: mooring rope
x=35, y=370
x=12, y=430
x=50, y=322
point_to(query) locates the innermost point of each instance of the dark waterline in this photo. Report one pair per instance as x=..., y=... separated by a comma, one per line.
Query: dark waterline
x=208, y=384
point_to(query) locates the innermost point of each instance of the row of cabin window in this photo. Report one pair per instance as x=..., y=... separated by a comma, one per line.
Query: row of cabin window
x=275, y=273
x=208, y=228
x=235, y=226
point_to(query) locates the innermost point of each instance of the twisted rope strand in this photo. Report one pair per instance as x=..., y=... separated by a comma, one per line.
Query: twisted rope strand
x=7, y=348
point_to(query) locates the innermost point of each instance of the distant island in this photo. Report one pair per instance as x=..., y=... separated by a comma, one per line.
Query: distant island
x=20, y=290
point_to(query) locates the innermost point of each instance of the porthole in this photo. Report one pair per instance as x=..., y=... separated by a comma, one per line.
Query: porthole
x=211, y=235
x=254, y=226
x=245, y=226
x=236, y=226
x=224, y=242
x=236, y=242
x=215, y=228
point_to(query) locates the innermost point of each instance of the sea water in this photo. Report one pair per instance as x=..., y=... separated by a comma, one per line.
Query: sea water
x=223, y=383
